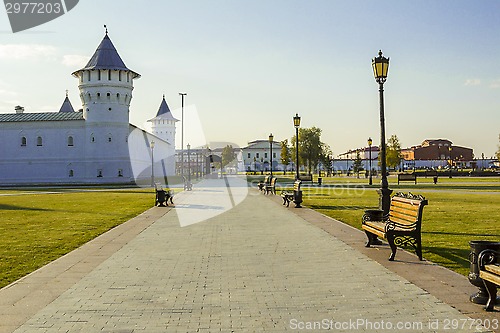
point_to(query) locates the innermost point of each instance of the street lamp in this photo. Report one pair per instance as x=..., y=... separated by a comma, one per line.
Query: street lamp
x=370, y=157
x=296, y=124
x=152, y=145
x=189, y=162
x=380, y=66
x=271, y=138
x=182, y=132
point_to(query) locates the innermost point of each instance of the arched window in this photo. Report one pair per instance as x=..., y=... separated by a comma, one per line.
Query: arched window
x=109, y=74
x=99, y=74
x=70, y=141
x=39, y=141
x=119, y=75
x=108, y=95
x=98, y=95
x=23, y=141
x=89, y=76
x=118, y=97
x=71, y=173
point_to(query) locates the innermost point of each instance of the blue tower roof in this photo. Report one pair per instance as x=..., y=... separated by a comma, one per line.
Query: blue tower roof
x=106, y=57
x=66, y=106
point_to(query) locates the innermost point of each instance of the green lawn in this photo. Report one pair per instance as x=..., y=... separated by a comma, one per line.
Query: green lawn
x=38, y=227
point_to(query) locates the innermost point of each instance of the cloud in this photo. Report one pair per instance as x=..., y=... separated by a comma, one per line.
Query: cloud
x=472, y=82
x=26, y=51
x=75, y=60
x=495, y=84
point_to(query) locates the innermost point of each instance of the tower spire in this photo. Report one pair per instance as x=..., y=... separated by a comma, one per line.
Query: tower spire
x=105, y=27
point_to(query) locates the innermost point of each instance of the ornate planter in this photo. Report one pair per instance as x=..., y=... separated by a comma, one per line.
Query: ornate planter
x=481, y=297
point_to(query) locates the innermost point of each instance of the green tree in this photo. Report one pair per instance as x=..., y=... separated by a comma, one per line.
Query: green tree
x=393, y=152
x=358, y=164
x=311, y=149
x=498, y=151
x=285, y=154
x=228, y=156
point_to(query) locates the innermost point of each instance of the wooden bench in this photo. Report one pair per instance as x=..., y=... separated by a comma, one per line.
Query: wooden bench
x=262, y=185
x=306, y=178
x=407, y=177
x=295, y=196
x=271, y=187
x=402, y=226
x=489, y=271
x=163, y=196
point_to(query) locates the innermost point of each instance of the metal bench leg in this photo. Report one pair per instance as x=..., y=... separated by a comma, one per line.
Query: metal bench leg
x=369, y=236
x=390, y=238
x=418, y=248
x=492, y=292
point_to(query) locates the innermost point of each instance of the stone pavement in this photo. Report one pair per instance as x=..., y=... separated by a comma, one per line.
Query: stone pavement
x=257, y=267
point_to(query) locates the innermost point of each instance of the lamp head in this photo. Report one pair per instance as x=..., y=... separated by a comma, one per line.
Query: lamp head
x=296, y=121
x=271, y=137
x=380, y=66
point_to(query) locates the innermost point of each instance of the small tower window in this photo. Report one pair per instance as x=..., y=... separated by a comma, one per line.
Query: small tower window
x=23, y=141
x=71, y=173
x=108, y=95
x=98, y=95
x=99, y=172
x=128, y=77
x=70, y=141
x=120, y=172
x=99, y=74
x=118, y=97
x=92, y=138
x=39, y=141
x=89, y=76
x=119, y=75
x=109, y=75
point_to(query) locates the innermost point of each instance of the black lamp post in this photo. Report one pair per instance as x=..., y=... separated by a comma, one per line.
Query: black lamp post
x=380, y=66
x=296, y=124
x=271, y=138
x=182, y=132
x=370, y=157
x=152, y=145
x=189, y=162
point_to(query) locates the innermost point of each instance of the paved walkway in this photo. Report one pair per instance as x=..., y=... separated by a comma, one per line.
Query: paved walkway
x=257, y=267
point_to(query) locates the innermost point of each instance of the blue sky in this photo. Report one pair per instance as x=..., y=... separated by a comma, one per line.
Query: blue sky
x=250, y=66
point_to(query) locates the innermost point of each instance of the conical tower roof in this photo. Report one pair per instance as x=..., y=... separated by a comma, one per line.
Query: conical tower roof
x=66, y=105
x=164, y=111
x=106, y=57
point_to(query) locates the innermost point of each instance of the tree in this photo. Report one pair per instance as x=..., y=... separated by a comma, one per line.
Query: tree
x=285, y=154
x=228, y=156
x=358, y=164
x=311, y=149
x=393, y=152
x=498, y=151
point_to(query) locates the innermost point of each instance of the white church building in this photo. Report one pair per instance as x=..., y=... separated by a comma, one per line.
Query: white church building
x=95, y=145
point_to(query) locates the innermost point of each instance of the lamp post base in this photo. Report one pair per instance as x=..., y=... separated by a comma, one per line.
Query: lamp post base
x=384, y=199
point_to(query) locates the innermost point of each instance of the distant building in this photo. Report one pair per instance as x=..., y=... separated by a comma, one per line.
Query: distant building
x=439, y=149
x=256, y=156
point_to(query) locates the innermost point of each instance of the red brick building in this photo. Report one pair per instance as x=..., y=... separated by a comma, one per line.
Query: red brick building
x=439, y=149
